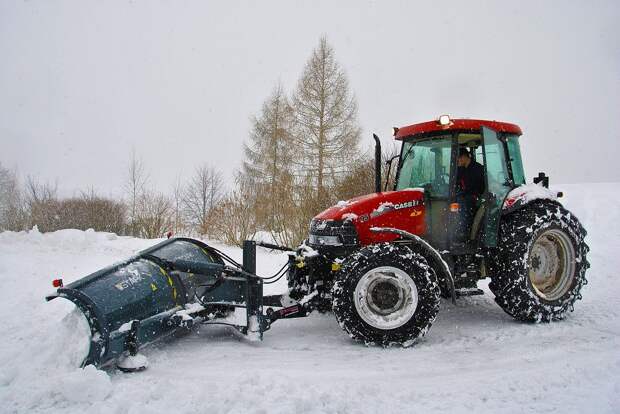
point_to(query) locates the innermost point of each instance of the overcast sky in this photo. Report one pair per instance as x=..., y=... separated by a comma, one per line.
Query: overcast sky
x=83, y=82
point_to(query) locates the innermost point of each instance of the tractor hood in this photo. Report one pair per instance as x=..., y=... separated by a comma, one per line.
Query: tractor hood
x=374, y=204
x=402, y=209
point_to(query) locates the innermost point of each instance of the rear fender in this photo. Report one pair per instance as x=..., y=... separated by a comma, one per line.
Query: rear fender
x=432, y=256
x=521, y=196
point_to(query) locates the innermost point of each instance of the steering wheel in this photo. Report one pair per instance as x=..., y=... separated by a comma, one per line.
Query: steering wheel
x=428, y=187
x=443, y=179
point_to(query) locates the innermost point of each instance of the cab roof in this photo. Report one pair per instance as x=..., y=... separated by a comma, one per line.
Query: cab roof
x=468, y=125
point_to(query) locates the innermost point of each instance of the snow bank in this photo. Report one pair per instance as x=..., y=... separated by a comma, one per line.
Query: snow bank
x=474, y=359
x=41, y=365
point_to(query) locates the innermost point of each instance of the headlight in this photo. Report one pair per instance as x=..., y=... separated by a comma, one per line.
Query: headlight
x=324, y=240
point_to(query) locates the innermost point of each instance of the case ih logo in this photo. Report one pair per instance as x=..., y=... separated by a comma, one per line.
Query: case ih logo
x=407, y=204
x=387, y=207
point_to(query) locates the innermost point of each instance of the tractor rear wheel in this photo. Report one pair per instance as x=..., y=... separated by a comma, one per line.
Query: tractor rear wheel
x=539, y=267
x=386, y=295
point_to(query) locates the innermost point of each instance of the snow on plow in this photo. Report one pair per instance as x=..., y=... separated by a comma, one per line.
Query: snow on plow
x=161, y=290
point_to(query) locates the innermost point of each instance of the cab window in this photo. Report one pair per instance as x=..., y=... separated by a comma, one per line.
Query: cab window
x=426, y=164
x=516, y=165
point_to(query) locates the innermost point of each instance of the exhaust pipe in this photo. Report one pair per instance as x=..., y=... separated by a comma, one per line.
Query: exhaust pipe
x=377, y=163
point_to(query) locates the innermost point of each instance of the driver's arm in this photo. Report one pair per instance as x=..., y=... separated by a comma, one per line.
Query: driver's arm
x=459, y=179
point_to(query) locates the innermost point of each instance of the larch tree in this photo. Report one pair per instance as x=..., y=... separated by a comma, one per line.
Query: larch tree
x=267, y=165
x=326, y=129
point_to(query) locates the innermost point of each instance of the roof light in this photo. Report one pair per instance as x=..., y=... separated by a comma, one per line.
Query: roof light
x=57, y=283
x=395, y=131
x=444, y=120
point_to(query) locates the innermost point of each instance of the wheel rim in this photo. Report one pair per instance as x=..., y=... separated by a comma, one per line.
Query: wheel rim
x=552, y=264
x=386, y=297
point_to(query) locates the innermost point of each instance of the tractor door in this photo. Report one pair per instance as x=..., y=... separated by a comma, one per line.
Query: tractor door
x=498, y=183
x=428, y=163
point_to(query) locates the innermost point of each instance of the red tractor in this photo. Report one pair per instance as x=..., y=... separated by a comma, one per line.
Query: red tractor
x=382, y=261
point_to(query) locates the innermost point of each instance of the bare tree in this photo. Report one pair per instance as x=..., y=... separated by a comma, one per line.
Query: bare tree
x=86, y=211
x=327, y=132
x=37, y=192
x=134, y=187
x=154, y=216
x=201, y=195
x=12, y=214
x=178, y=225
x=291, y=218
x=91, y=211
x=232, y=220
x=41, y=204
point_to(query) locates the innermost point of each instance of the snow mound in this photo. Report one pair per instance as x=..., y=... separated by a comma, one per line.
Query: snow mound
x=47, y=362
x=86, y=385
x=74, y=338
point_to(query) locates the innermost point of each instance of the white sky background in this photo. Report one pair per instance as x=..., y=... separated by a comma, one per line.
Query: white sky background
x=84, y=82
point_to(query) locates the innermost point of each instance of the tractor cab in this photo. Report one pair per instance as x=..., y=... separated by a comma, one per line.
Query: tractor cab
x=429, y=160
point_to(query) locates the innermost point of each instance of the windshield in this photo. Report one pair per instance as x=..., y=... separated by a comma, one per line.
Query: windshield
x=426, y=164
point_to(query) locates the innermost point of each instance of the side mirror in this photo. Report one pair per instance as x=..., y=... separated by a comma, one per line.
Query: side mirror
x=542, y=178
x=389, y=164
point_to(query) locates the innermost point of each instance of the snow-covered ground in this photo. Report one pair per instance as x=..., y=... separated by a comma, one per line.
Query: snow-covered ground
x=474, y=359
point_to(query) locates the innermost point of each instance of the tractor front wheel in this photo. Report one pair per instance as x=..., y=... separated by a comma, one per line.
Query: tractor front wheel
x=540, y=264
x=386, y=295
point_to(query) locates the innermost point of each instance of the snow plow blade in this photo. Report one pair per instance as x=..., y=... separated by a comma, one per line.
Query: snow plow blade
x=163, y=289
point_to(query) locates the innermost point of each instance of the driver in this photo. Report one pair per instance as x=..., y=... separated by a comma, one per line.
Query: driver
x=470, y=186
x=470, y=174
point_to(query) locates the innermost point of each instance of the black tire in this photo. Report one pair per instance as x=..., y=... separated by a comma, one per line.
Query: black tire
x=516, y=264
x=401, y=264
